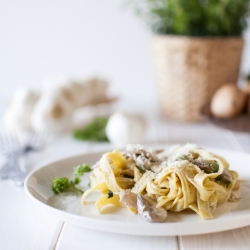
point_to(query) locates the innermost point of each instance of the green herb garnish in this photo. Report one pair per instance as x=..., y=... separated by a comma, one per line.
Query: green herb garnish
x=218, y=178
x=110, y=194
x=63, y=184
x=221, y=180
x=81, y=169
x=182, y=157
x=227, y=183
x=94, y=131
x=60, y=185
x=214, y=167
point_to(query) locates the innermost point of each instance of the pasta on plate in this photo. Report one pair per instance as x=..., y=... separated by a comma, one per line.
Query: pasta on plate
x=151, y=183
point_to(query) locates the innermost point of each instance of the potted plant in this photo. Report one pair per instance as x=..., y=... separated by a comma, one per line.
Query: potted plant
x=197, y=47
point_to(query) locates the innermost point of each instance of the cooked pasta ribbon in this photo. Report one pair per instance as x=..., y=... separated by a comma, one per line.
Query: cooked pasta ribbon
x=189, y=178
x=103, y=201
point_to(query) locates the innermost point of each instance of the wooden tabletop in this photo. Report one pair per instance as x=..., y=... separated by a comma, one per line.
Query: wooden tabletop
x=25, y=226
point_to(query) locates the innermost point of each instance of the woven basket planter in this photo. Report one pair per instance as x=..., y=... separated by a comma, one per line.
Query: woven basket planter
x=189, y=70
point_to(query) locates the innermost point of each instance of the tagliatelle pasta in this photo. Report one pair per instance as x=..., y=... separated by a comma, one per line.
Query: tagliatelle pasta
x=152, y=183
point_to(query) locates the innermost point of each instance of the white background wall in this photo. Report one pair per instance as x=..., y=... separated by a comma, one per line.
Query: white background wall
x=40, y=39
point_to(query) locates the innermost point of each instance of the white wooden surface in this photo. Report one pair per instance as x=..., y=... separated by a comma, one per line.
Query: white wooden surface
x=25, y=226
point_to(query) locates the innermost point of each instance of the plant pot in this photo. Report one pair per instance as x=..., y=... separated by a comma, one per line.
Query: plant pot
x=190, y=69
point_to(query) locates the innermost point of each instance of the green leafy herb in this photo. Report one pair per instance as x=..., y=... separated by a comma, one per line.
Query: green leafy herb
x=220, y=179
x=62, y=184
x=94, y=131
x=227, y=183
x=110, y=194
x=214, y=167
x=81, y=169
x=182, y=157
x=194, y=17
x=207, y=167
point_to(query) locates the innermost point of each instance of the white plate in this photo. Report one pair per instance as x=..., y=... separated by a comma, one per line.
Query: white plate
x=68, y=208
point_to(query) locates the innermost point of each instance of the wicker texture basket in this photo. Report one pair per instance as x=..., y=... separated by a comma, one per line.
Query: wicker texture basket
x=189, y=70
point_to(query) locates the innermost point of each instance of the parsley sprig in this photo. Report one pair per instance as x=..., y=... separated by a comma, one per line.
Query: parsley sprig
x=63, y=184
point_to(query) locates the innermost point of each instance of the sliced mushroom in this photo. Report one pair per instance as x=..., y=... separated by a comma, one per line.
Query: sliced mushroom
x=226, y=176
x=128, y=198
x=144, y=160
x=150, y=212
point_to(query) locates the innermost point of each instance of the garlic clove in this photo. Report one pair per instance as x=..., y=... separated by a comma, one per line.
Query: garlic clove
x=124, y=128
x=18, y=113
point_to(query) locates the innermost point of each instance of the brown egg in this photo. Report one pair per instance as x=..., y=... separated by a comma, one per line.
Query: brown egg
x=228, y=101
